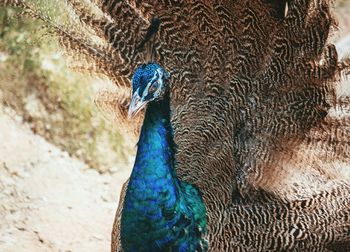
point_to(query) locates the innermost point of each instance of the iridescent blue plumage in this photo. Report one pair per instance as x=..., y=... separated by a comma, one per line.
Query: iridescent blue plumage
x=160, y=212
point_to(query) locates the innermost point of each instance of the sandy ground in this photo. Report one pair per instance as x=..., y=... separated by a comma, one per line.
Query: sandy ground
x=48, y=200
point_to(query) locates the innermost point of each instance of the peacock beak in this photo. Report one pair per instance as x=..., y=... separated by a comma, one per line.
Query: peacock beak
x=136, y=105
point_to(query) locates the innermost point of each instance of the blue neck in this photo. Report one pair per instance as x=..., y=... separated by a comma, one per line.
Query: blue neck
x=154, y=158
x=160, y=212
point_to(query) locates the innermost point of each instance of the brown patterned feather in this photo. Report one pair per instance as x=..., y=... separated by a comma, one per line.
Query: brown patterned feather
x=259, y=127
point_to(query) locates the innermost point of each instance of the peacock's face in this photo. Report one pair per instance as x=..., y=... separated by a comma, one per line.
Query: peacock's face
x=149, y=83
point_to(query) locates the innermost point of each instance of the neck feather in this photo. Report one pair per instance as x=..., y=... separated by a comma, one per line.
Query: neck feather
x=160, y=212
x=153, y=187
x=155, y=154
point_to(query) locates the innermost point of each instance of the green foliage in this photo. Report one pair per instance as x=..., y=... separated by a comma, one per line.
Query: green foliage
x=57, y=103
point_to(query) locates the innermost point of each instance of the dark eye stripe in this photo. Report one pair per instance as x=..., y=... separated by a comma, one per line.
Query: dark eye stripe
x=154, y=86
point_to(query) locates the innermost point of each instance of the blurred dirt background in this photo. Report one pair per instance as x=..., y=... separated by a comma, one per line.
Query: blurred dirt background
x=62, y=163
x=48, y=200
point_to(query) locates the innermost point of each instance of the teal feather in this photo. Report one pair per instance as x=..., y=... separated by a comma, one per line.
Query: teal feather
x=160, y=212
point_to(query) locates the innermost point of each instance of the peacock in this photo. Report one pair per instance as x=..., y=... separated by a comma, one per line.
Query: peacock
x=160, y=213
x=257, y=129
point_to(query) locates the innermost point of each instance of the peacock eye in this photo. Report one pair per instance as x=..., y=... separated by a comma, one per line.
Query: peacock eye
x=153, y=87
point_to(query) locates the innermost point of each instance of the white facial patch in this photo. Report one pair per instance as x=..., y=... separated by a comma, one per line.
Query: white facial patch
x=158, y=75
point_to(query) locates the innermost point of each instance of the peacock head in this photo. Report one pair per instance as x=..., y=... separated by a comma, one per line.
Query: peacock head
x=149, y=83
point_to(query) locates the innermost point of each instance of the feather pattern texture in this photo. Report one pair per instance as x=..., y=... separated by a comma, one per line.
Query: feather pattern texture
x=259, y=126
